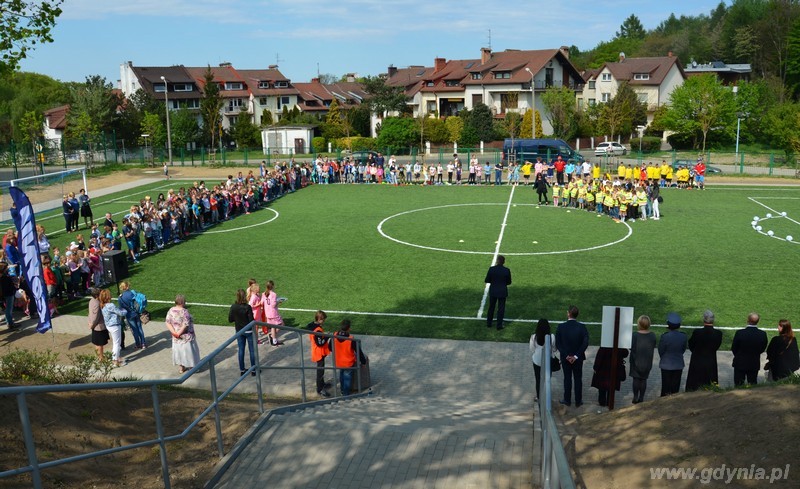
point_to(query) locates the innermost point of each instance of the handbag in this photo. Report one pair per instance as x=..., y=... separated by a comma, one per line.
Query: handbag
x=660, y=199
x=555, y=364
x=144, y=317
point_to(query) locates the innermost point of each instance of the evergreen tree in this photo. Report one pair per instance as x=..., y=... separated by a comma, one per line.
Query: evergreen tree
x=631, y=28
x=211, y=107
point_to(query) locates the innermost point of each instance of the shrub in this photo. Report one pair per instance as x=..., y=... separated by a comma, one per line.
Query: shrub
x=37, y=367
x=318, y=145
x=356, y=143
x=649, y=144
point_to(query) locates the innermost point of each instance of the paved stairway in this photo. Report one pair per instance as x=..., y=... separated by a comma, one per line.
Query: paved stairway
x=390, y=442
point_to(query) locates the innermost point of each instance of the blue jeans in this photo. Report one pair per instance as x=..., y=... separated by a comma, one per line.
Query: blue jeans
x=9, y=310
x=498, y=177
x=345, y=381
x=136, y=328
x=241, y=340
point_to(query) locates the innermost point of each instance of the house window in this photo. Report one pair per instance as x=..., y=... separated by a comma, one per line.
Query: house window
x=592, y=102
x=502, y=75
x=452, y=83
x=281, y=84
x=642, y=98
x=283, y=101
x=592, y=84
x=182, y=87
x=476, y=76
x=641, y=76
x=428, y=83
x=159, y=87
x=605, y=97
x=192, y=103
x=431, y=107
x=262, y=101
x=234, y=86
x=509, y=101
x=263, y=84
x=232, y=119
x=605, y=77
x=234, y=104
x=548, y=77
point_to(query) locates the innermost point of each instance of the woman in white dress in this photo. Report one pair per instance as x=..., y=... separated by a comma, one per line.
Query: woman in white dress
x=536, y=345
x=112, y=319
x=185, y=352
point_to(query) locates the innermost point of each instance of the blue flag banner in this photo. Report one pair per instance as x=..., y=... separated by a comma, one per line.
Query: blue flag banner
x=28, y=244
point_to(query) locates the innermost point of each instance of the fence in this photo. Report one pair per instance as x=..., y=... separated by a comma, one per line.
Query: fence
x=771, y=163
x=35, y=466
x=555, y=470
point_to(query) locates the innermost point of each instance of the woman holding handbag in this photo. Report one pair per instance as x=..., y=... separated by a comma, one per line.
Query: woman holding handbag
x=536, y=345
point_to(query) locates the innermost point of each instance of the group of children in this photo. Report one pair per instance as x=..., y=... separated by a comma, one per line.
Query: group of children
x=621, y=201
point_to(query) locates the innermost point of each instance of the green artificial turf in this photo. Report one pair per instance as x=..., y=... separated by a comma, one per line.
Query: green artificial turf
x=324, y=251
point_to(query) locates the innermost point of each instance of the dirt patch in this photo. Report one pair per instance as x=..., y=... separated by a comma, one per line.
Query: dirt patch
x=746, y=428
x=67, y=424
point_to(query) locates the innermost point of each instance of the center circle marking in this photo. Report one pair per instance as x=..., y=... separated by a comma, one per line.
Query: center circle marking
x=447, y=250
x=248, y=226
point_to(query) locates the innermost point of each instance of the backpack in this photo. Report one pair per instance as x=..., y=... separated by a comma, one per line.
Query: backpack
x=140, y=302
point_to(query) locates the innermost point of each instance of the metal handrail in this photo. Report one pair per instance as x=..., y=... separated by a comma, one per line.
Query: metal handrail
x=555, y=470
x=35, y=466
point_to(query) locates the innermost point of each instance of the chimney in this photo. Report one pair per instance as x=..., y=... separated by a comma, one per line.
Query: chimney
x=621, y=57
x=565, y=51
x=315, y=80
x=130, y=63
x=486, y=55
x=392, y=71
x=439, y=64
x=350, y=77
x=669, y=54
x=273, y=67
x=225, y=64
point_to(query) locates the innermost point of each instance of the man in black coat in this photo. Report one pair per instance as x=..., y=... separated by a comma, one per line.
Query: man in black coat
x=704, y=344
x=499, y=278
x=572, y=340
x=748, y=345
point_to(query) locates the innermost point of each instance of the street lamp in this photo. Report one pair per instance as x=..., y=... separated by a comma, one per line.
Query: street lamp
x=533, y=106
x=145, y=136
x=169, y=133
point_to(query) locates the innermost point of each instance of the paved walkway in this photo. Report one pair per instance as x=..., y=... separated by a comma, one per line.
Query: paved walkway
x=445, y=413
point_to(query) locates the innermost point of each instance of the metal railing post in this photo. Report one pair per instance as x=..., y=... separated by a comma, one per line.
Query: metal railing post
x=254, y=333
x=358, y=364
x=212, y=371
x=302, y=369
x=335, y=376
x=30, y=445
x=160, y=432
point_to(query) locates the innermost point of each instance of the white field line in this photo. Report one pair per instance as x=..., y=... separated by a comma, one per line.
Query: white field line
x=414, y=316
x=497, y=249
x=773, y=210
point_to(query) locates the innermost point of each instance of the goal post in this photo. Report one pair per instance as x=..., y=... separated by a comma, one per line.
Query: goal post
x=45, y=192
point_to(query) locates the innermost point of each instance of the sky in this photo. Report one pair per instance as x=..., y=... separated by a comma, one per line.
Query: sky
x=306, y=37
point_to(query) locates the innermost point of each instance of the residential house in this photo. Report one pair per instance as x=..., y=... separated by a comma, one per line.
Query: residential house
x=501, y=80
x=178, y=86
x=272, y=91
x=237, y=96
x=55, y=123
x=316, y=97
x=653, y=80
x=728, y=74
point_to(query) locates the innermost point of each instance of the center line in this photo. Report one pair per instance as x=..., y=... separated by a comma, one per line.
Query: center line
x=497, y=249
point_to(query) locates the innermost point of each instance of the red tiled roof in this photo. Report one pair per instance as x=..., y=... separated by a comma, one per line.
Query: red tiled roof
x=57, y=117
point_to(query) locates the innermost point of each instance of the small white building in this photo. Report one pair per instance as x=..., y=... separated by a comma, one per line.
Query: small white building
x=293, y=140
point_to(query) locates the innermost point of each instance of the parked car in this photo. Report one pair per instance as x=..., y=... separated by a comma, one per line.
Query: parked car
x=691, y=163
x=610, y=148
x=361, y=155
x=547, y=149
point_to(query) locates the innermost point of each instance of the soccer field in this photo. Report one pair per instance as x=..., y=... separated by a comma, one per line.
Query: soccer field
x=410, y=261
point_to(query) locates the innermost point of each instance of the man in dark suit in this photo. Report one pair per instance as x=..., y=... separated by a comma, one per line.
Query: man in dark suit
x=499, y=278
x=748, y=345
x=572, y=340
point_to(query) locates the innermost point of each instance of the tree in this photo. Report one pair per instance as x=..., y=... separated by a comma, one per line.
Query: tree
x=560, y=105
x=244, y=133
x=631, y=28
x=184, y=127
x=266, y=118
x=210, y=106
x=383, y=98
x=31, y=127
x=783, y=127
x=94, y=104
x=328, y=78
x=23, y=25
x=334, y=126
x=397, y=132
x=620, y=114
x=155, y=130
x=454, y=125
x=436, y=131
x=701, y=103
x=478, y=125
x=525, y=125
